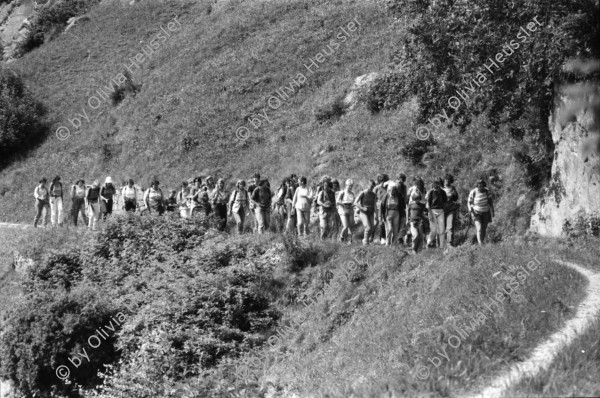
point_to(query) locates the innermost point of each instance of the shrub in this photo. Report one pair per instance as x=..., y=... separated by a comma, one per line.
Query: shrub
x=120, y=92
x=49, y=328
x=20, y=117
x=300, y=254
x=415, y=149
x=332, y=111
x=60, y=269
x=50, y=19
x=582, y=226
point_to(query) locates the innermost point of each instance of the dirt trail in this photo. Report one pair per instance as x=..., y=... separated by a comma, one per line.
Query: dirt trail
x=545, y=353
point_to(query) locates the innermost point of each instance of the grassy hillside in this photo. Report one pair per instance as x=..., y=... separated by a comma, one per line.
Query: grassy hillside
x=197, y=89
x=182, y=107
x=205, y=314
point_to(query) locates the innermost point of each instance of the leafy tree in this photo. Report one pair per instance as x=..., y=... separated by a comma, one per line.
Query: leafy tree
x=20, y=115
x=449, y=44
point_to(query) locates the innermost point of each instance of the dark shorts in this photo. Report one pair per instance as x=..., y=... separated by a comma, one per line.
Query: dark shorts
x=484, y=218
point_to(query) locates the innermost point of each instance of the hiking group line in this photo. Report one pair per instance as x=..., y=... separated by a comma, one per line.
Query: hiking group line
x=399, y=213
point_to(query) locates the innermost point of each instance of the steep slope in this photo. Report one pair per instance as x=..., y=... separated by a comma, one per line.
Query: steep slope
x=219, y=65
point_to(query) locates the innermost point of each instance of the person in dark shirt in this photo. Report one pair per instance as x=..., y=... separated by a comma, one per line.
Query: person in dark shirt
x=172, y=201
x=380, y=190
x=261, y=197
x=436, y=203
x=92, y=201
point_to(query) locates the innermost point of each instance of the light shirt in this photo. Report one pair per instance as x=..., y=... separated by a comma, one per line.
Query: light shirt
x=302, y=198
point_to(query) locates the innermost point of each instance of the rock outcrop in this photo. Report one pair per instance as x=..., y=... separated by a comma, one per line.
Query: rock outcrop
x=14, y=22
x=361, y=86
x=574, y=191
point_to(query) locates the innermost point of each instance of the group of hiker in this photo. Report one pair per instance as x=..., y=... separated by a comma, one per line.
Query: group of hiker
x=400, y=213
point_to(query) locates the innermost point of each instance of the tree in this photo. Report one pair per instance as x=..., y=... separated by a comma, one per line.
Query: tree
x=20, y=116
x=448, y=63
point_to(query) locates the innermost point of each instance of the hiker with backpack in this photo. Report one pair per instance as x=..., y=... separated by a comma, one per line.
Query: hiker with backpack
x=194, y=189
x=107, y=193
x=218, y=199
x=403, y=192
x=78, y=202
x=302, y=203
x=481, y=208
x=153, y=199
x=42, y=203
x=337, y=221
x=345, y=201
x=200, y=199
x=416, y=215
x=56, y=202
x=366, y=202
x=326, y=202
x=184, y=200
x=436, y=202
x=290, y=226
x=92, y=202
x=279, y=205
x=252, y=186
x=261, y=197
x=238, y=205
x=392, y=210
x=171, y=202
x=130, y=194
x=380, y=190
x=210, y=184
x=451, y=209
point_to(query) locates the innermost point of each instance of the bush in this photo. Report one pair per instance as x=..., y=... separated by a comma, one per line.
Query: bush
x=193, y=303
x=582, y=226
x=332, y=111
x=20, y=117
x=300, y=254
x=49, y=328
x=50, y=19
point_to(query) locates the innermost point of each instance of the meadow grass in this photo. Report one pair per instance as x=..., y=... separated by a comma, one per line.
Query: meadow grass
x=574, y=373
x=384, y=323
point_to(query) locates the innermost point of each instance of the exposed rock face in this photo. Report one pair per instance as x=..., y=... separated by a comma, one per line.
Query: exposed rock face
x=575, y=187
x=14, y=21
x=360, y=87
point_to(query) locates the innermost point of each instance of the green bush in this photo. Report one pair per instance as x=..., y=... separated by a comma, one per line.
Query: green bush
x=20, y=117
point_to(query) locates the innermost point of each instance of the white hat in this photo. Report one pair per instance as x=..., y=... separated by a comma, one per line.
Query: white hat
x=108, y=180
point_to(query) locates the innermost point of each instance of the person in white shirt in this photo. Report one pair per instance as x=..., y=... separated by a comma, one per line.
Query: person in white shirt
x=129, y=194
x=42, y=203
x=238, y=205
x=153, y=198
x=345, y=200
x=302, y=202
x=481, y=208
